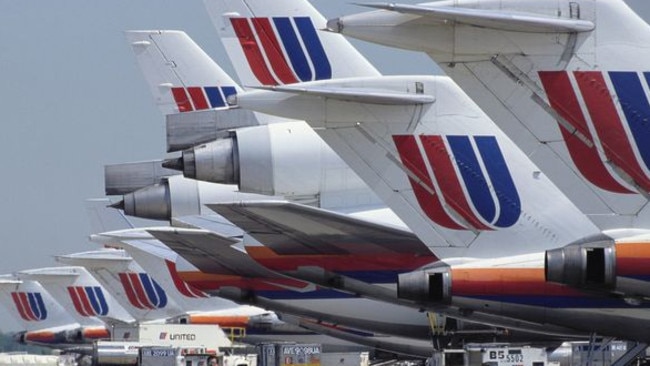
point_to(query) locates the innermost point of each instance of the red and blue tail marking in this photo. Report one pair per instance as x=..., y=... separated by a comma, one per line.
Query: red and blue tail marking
x=88, y=300
x=197, y=98
x=619, y=131
x=183, y=287
x=282, y=50
x=142, y=291
x=461, y=182
x=30, y=305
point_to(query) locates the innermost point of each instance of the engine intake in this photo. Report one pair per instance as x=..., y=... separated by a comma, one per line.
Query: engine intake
x=583, y=265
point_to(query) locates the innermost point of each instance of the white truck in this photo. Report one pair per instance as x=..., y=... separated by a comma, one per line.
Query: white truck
x=490, y=356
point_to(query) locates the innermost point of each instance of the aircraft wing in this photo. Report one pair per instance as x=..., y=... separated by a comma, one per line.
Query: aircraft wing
x=290, y=228
x=211, y=252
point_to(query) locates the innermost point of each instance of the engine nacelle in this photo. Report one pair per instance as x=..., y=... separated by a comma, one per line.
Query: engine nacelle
x=20, y=337
x=215, y=162
x=583, y=265
x=426, y=286
x=74, y=336
x=178, y=196
x=284, y=159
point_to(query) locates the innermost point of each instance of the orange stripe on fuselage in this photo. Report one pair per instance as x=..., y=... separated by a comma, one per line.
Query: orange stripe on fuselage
x=633, y=259
x=96, y=333
x=40, y=336
x=220, y=320
x=505, y=281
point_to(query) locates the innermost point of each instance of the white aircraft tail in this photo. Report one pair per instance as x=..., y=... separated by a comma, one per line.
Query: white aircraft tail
x=281, y=42
x=132, y=287
x=32, y=306
x=76, y=289
x=181, y=76
x=437, y=160
x=163, y=264
x=567, y=80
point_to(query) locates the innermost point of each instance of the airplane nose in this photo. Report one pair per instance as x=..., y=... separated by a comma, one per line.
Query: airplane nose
x=334, y=25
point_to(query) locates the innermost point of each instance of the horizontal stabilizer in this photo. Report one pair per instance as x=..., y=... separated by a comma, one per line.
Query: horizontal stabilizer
x=107, y=258
x=502, y=20
x=211, y=252
x=357, y=95
x=290, y=228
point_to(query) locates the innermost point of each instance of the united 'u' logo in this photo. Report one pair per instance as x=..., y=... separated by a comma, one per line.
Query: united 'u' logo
x=30, y=305
x=142, y=291
x=282, y=50
x=88, y=300
x=183, y=287
x=460, y=182
x=618, y=133
x=196, y=98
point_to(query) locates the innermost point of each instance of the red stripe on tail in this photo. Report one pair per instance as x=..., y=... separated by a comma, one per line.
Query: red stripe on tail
x=140, y=291
x=20, y=306
x=130, y=293
x=74, y=295
x=608, y=125
x=252, y=51
x=28, y=308
x=273, y=50
x=565, y=102
x=198, y=98
x=447, y=178
x=85, y=302
x=182, y=101
x=412, y=159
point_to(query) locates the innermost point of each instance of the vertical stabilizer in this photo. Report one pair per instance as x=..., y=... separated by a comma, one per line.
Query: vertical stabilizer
x=32, y=306
x=181, y=76
x=281, y=42
x=132, y=287
x=77, y=290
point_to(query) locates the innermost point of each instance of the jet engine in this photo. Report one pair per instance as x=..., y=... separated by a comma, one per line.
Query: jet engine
x=589, y=264
x=426, y=286
x=20, y=337
x=284, y=159
x=177, y=196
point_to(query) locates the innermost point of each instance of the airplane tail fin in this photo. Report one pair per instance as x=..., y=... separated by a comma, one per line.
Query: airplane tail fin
x=76, y=289
x=163, y=264
x=31, y=305
x=139, y=293
x=437, y=160
x=181, y=76
x=281, y=42
x=569, y=85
